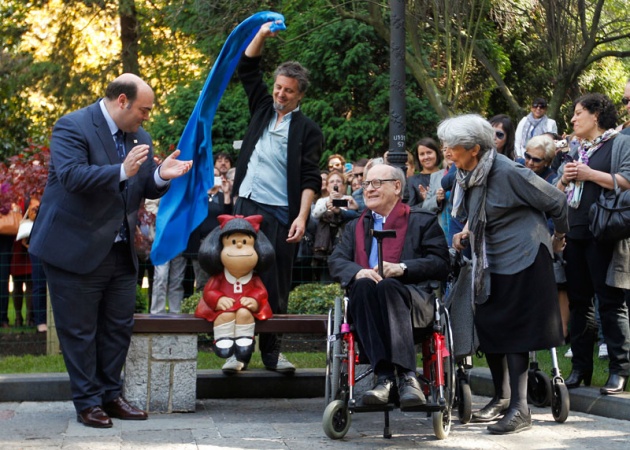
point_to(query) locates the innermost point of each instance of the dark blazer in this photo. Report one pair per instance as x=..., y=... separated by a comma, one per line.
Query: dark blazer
x=304, y=146
x=84, y=203
x=425, y=251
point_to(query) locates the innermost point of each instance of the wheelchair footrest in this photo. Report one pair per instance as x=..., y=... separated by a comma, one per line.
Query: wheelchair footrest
x=359, y=408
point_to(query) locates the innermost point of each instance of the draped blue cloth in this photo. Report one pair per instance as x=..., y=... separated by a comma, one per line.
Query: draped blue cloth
x=185, y=205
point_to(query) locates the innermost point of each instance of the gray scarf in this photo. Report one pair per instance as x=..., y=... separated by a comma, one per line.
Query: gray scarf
x=476, y=182
x=533, y=127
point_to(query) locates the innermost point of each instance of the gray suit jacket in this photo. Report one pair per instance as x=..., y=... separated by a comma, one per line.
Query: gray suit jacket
x=84, y=203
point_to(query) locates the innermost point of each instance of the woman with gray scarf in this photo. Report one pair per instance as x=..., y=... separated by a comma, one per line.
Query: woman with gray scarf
x=515, y=295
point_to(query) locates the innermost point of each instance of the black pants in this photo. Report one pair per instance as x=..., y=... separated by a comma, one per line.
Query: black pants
x=381, y=314
x=94, y=319
x=277, y=278
x=587, y=264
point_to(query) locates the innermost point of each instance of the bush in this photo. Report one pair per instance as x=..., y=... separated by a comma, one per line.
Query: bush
x=313, y=298
x=189, y=304
x=142, y=300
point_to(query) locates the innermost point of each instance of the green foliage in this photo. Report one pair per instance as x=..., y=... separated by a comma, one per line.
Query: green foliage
x=189, y=304
x=313, y=298
x=142, y=300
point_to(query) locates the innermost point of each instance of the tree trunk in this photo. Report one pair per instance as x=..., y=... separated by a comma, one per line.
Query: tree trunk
x=129, y=36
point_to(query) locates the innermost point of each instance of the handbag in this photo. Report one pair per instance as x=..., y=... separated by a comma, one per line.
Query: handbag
x=609, y=216
x=10, y=222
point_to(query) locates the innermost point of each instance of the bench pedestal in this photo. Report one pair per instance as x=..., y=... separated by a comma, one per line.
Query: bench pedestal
x=161, y=372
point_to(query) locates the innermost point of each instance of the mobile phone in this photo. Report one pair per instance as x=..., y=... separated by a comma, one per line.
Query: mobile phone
x=218, y=181
x=340, y=202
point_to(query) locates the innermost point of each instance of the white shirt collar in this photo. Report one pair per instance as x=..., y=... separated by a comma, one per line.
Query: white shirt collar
x=233, y=280
x=113, y=128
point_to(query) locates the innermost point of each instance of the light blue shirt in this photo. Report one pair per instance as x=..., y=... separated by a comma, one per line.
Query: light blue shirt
x=266, y=179
x=378, y=225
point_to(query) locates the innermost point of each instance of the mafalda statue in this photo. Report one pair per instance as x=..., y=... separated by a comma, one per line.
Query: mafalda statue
x=234, y=297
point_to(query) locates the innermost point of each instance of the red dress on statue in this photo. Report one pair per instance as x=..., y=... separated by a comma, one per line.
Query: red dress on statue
x=225, y=285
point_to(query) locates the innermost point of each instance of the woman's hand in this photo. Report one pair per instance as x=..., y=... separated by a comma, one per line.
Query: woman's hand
x=439, y=195
x=423, y=192
x=458, y=238
x=558, y=243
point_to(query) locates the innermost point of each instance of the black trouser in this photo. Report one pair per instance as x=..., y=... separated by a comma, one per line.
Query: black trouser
x=587, y=264
x=277, y=278
x=380, y=313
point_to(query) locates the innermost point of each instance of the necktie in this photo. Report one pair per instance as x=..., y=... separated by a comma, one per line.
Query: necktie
x=378, y=225
x=123, y=233
x=119, y=138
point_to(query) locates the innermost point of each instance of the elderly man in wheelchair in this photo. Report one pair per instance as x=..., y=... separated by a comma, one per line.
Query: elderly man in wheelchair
x=386, y=306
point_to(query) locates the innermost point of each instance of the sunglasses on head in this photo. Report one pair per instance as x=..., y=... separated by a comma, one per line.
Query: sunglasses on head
x=499, y=134
x=536, y=160
x=539, y=105
x=625, y=100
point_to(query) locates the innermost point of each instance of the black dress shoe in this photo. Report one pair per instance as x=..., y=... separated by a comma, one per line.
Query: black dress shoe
x=577, y=376
x=514, y=421
x=120, y=408
x=616, y=384
x=94, y=417
x=491, y=411
x=244, y=352
x=224, y=352
x=379, y=394
x=409, y=392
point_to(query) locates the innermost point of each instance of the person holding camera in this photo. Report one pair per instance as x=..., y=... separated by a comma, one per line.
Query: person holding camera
x=331, y=213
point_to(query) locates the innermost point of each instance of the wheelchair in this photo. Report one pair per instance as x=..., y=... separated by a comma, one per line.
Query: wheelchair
x=437, y=378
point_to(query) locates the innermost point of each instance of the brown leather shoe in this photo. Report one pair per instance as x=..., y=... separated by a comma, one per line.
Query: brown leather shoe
x=121, y=409
x=94, y=417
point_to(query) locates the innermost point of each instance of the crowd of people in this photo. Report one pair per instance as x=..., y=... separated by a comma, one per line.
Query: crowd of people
x=515, y=200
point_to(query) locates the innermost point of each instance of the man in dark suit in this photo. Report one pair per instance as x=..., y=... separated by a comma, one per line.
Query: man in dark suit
x=101, y=167
x=277, y=174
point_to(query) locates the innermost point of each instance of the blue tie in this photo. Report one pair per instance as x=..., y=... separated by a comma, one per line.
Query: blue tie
x=378, y=225
x=123, y=233
x=119, y=138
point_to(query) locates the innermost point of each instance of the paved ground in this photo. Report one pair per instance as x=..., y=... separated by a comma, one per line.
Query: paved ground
x=288, y=424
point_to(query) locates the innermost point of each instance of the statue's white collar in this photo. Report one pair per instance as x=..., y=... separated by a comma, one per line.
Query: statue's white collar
x=238, y=282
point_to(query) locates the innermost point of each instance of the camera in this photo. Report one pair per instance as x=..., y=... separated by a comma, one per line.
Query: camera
x=340, y=203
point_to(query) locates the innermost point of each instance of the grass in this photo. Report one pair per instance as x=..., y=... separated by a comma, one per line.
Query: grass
x=207, y=360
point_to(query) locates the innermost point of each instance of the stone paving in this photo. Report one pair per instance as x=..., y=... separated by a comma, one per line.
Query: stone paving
x=288, y=424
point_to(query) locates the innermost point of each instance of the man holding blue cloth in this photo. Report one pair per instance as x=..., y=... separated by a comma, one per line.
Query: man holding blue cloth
x=277, y=175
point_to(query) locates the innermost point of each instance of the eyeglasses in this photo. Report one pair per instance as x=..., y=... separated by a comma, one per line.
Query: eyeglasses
x=376, y=183
x=499, y=134
x=536, y=160
x=539, y=105
x=625, y=100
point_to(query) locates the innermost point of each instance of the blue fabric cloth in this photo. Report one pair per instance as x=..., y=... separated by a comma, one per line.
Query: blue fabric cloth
x=185, y=205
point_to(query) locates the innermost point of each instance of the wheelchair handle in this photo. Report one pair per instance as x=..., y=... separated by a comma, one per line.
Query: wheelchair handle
x=380, y=235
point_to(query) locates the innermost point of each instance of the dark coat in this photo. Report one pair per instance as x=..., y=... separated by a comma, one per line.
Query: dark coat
x=84, y=205
x=425, y=251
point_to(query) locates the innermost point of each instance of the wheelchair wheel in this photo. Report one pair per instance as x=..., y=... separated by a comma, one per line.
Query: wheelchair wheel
x=442, y=419
x=464, y=403
x=538, y=388
x=337, y=419
x=333, y=349
x=560, y=402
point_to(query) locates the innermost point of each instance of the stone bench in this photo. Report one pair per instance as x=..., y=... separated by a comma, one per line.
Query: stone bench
x=161, y=367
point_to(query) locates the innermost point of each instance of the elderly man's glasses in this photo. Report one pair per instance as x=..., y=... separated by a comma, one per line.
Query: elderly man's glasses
x=536, y=160
x=539, y=105
x=625, y=100
x=376, y=183
x=499, y=134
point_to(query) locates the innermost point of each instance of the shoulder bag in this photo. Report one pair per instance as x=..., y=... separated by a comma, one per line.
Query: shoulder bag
x=10, y=222
x=609, y=216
